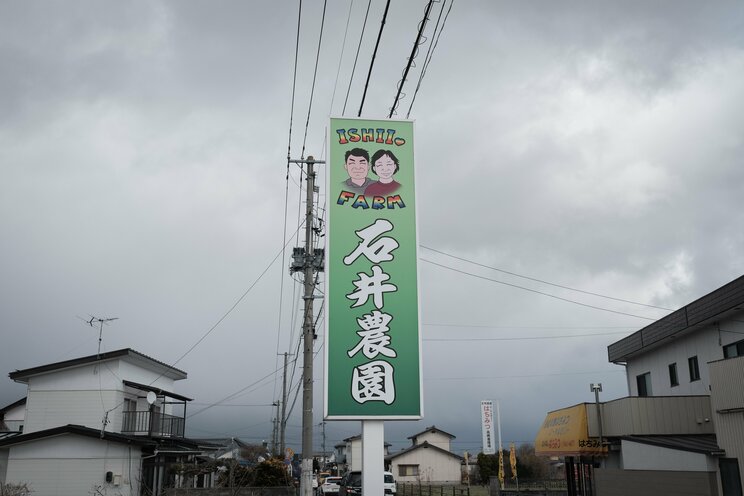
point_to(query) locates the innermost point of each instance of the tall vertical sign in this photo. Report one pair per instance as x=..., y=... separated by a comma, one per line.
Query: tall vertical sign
x=489, y=446
x=373, y=344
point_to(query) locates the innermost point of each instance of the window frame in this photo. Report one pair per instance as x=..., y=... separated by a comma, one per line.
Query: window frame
x=673, y=375
x=693, y=368
x=644, y=379
x=403, y=472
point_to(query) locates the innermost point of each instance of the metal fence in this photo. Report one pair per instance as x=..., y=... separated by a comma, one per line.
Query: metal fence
x=157, y=424
x=236, y=491
x=528, y=487
x=428, y=489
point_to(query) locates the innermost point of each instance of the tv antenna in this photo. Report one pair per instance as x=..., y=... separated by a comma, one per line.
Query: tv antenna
x=100, y=329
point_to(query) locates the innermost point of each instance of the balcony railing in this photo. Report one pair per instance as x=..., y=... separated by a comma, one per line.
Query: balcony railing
x=152, y=424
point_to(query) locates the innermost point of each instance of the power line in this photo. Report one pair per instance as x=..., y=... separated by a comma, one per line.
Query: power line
x=528, y=376
x=359, y=46
x=535, y=291
x=374, y=55
x=542, y=281
x=315, y=74
x=430, y=52
x=341, y=58
x=526, y=327
x=224, y=316
x=236, y=393
x=414, y=52
x=294, y=85
x=526, y=338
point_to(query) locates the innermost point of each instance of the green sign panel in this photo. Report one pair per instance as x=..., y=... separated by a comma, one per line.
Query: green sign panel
x=373, y=345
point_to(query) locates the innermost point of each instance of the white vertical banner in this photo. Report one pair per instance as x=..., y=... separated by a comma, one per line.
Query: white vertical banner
x=489, y=448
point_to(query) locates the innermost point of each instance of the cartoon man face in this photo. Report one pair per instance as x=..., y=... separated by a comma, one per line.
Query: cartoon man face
x=357, y=167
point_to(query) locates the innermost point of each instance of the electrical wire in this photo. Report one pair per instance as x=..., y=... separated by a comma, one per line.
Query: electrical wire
x=281, y=274
x=430, y=52
x=536, y=291
x=528, y=376
x=356, y=58
x=542, y=281
x=374, y=56
x=341, y=58
x=414, y=51
x=294, y=84
x=315, y=74
x=236, y=393
x=460, y=339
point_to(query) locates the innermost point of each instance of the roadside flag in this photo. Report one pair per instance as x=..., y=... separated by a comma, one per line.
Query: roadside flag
x=501, y=467
x=513, y=459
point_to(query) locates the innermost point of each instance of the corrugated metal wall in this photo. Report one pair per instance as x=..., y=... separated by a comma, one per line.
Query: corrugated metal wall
x=727, y=400
x=661, y=415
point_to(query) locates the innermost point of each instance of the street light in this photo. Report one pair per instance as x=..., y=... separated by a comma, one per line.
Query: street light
x=597, y=388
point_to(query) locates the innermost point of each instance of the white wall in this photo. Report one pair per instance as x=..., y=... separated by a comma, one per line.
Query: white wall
x=703, y=344
x=434, y=466
x=436, y=438
x=81, y=395
x=15, y=417
x=72, y=465
x=638, y=456
x=354, y=455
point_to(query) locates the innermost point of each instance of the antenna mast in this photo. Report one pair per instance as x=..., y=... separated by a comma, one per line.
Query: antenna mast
x=100, y=329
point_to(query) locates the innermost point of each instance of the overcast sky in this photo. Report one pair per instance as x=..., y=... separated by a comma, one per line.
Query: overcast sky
x=595, y=145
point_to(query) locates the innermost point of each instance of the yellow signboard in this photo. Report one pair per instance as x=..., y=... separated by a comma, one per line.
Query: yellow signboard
x=565, y=432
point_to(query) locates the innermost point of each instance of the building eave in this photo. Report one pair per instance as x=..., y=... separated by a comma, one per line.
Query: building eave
x=22, y=376
x=715, y=306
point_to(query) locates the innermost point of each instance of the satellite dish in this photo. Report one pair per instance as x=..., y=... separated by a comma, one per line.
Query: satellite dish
x=151, y=397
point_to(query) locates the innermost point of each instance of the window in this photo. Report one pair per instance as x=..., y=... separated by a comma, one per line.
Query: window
x=673, y=379
x=644, y=384
x=408, y=470
x=692, y=363
x=734, y=349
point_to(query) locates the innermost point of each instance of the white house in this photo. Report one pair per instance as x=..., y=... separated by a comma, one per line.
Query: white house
x=681, y=430
x=428, y=459
x=349, y=454
x=109, y=421
x=12, y=417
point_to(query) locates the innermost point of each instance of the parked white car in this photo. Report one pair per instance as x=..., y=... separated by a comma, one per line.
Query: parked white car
x=330, y=486
x=390, y=486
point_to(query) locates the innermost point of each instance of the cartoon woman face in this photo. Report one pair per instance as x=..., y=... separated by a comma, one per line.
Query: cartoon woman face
x=385, y=168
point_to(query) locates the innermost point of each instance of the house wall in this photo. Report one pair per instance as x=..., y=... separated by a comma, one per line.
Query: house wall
x=354, y=455
x=703, y=344
x=434, y=466
x=71, y=465
x=82, y=395
x=707, y=344
x=15, y=417
x=639, y=456
x=436, y=438
x=610, y=482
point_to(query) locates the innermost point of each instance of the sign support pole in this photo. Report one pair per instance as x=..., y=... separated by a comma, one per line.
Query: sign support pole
x=373, y=457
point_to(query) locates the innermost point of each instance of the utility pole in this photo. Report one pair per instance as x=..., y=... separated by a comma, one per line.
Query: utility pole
x=283, y=418
x=311, y=261
x=275, y=430
x=322, y=425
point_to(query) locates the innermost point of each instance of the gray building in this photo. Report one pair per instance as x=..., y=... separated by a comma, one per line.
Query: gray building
x=681, y=429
